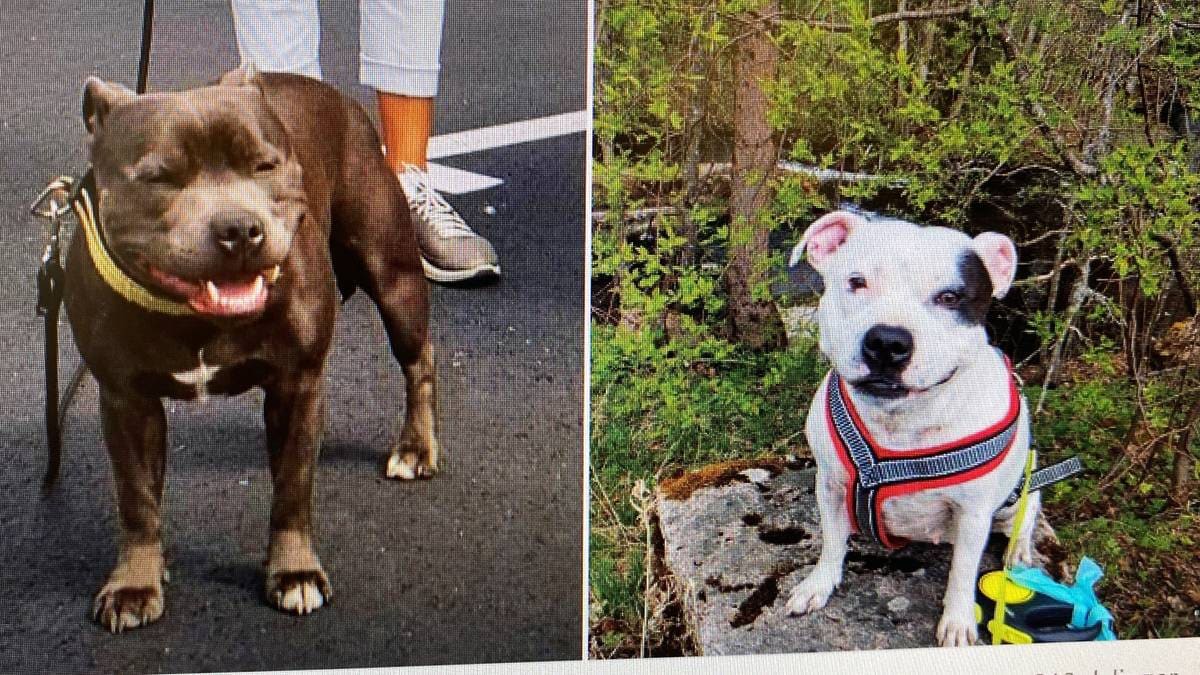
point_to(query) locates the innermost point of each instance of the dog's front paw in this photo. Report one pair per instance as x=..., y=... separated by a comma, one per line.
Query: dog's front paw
x=299, y=592
x=810, y=595
x=411, y=465
x=119, y=607
x=957, y=629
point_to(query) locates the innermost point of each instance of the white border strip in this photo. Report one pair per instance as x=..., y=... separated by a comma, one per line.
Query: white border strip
x=502, y=135
x=1178, y=656
x=586, y=573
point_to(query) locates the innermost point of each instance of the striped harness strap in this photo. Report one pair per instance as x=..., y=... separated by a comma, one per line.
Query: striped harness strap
x=877, y=474
x=1047, y=476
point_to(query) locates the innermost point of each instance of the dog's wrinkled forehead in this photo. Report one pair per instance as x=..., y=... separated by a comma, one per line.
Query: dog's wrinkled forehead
x=892, y=249
x=217, y=125
x=843, y=244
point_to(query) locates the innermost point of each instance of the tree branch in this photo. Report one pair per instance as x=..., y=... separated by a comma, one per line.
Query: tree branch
x=895, y=17
x=1079, y=295
x=1042, y=278
x=1039, y=113
x=1178, y=23
x=1189, y=299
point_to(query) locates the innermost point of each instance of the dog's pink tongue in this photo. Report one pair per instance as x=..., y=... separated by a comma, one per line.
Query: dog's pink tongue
x=230, y=298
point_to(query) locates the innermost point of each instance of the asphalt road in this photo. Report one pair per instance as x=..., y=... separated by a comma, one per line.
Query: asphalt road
x=483, y=563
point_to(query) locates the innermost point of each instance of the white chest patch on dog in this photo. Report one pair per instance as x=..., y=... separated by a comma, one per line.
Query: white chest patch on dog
x=198, y=378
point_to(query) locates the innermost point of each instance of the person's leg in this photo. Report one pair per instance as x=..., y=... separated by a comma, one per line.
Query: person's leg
x=407, y=122
x=279, y=35
x=401, y=43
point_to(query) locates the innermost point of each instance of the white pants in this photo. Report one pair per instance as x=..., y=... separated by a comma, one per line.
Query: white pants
x=399, y=41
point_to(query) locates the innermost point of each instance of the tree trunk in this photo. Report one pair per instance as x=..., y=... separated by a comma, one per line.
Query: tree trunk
x=754, y=323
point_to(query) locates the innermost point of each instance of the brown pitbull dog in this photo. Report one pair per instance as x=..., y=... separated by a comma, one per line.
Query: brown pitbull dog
x=241, y=209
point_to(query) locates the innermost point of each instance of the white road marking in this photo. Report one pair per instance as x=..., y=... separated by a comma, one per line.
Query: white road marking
x=453, y=181
x=503, y=135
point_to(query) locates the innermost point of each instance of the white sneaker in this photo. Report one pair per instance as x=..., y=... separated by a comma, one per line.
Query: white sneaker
x=450, y=249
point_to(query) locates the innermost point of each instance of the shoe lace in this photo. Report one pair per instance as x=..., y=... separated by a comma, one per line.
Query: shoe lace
x=431, y=206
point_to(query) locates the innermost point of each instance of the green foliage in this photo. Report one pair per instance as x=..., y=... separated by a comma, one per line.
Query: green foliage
x=616, y=580
x=659, y=405
x=694, y=401
x=1119, y=512
x=1148, y=192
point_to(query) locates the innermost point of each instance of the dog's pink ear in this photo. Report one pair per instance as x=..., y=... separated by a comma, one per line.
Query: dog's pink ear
x=99, y=99
x=999, y=256
x=824, y=236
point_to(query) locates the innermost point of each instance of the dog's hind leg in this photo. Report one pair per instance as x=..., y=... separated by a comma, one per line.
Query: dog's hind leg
x=415, y=454
x=1024, y=551
x=135, y=433
x=375, y=230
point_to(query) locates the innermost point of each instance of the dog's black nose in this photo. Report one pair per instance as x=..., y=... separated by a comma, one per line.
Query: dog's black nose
x=887, y=347
x=238, y=234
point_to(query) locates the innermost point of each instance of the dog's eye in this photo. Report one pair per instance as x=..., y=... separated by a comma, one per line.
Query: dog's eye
x=948, y=298
x=157, y=168
x=265, y=165
x=856, y=283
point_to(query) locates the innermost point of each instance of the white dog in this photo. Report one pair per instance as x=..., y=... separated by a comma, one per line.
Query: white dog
x=918, y=432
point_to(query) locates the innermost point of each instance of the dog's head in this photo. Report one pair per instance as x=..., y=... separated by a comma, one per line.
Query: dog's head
x=199, y=191
x=904, y=305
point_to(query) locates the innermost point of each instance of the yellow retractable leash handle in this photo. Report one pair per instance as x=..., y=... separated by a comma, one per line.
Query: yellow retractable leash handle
x=996, y=626
x=1036, y=615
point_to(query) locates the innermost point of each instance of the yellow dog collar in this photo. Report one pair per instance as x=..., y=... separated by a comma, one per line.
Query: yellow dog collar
x=112, y=274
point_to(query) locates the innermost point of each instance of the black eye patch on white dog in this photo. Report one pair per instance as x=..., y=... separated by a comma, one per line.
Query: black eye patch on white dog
x=977, y=289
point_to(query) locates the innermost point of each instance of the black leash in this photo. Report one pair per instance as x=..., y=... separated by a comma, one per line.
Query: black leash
x=49, y=302
x=53, y=203
x=147, y=33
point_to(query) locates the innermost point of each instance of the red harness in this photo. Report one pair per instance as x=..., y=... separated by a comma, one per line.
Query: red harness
x=876, y=473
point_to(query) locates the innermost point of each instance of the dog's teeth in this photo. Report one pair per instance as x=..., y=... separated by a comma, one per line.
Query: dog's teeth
x=272, y=275
x=214, y=294
x=258, y=285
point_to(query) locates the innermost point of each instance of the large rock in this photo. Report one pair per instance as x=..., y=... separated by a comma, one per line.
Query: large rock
x=738, y=537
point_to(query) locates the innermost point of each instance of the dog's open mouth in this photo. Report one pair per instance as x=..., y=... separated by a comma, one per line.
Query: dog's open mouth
x=228, y=297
